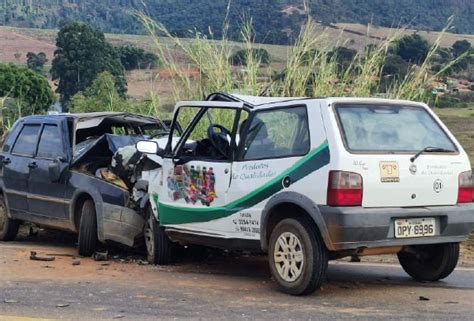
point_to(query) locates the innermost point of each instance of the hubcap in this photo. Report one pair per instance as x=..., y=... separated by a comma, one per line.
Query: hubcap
x=288, y=256
x=148, y=233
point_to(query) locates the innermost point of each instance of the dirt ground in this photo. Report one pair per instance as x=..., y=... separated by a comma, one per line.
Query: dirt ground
x=223, y=286
x=32, y=234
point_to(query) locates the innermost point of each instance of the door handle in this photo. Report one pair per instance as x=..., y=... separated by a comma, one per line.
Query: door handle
x=32, y=165
x=6, y=161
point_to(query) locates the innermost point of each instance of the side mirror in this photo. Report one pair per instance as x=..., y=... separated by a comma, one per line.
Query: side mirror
x=148, y=147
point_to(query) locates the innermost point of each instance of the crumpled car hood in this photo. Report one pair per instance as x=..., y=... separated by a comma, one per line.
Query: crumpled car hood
x=112, y=142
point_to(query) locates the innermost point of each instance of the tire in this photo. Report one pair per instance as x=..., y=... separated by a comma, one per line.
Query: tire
x=308, y=256
x=8, y=227
x=88, y=229
x=430, y=262
x=158, y=245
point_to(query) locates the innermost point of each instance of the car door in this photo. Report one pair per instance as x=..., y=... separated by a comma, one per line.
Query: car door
x=196, y=175
x=271, y=158
x=46, y=197
x=17, y=161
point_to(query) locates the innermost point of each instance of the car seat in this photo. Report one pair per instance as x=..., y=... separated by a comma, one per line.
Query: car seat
x=261, y=145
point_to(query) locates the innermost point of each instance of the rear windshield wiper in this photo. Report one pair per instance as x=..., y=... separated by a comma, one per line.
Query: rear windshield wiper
x=431, y=149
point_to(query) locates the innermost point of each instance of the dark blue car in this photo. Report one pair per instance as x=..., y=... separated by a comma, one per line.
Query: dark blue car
x=66, y=172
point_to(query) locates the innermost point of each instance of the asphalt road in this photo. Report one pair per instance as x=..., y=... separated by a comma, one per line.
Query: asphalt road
x=221, y=287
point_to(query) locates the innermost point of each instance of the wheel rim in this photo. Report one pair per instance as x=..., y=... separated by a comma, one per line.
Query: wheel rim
x=288, y=257
x=148, y=233
x=3, y=217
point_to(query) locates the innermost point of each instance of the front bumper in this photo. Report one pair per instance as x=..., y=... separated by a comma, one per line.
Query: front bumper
x=357, y=227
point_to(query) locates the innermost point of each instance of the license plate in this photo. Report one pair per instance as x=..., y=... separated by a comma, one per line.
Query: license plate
x=415, y=227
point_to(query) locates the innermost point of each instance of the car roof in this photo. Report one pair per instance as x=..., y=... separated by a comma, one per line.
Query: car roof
x=86, y=119
x=258, y=102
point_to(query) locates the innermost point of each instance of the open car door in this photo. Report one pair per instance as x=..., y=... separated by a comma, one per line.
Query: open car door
x=197, y=170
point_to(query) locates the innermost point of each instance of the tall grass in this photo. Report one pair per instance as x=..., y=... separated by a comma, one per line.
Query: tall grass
x=312, y=67
x=415, y=85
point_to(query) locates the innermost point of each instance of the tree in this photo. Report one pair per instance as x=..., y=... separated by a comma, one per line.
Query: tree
x=259, y=54
x=460, y=47
x=136, y=58
x=395, y=67
x=30, y=89
x=343, y=56
x=82, y=53
x=101, y=95
x=413, y=48
x=17, y=56
x=36, y=62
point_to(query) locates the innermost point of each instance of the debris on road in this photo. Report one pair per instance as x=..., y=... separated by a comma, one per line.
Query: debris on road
x=423, y=298
x=76, y=262
x=35, y=257
x=62, y=305
x=119, y=316
x=61, y=254
x=100, y=256
x=10, y=301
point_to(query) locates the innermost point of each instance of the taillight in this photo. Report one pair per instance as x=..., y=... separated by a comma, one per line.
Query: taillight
x=466, y=188
x=344, y=189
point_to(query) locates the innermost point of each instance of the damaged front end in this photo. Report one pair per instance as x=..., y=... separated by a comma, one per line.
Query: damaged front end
x=112, y=166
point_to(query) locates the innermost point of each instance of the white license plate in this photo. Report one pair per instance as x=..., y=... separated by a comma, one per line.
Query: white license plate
x=415, y=227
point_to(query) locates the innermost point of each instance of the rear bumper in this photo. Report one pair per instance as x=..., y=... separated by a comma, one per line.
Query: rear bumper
x=357, y=227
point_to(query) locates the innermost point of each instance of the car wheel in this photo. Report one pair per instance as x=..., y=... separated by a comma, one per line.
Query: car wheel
x=8, y=227
x=158, y=245
x=430, y=262
x=87, y=229
x=297, y=256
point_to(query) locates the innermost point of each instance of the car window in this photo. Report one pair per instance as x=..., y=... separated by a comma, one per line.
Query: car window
x=50, y=145
x=390, y=128
x=277, y=133
x=210, y=138
x=10, y=137
x=26, y=142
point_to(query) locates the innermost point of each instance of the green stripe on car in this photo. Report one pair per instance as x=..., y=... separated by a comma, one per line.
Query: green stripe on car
x=171, y=214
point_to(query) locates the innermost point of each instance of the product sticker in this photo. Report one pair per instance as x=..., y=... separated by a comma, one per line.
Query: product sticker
x=389, y=172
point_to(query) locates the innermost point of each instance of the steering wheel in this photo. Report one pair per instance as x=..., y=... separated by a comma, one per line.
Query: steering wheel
x=219, y=139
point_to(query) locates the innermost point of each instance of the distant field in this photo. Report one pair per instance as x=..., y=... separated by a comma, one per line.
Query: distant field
x=355, y=36
x=461, y=122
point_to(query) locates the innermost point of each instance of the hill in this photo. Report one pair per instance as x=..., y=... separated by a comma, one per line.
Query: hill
x=274, y=21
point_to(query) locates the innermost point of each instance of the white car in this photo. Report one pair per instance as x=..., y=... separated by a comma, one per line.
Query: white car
x=307, y=180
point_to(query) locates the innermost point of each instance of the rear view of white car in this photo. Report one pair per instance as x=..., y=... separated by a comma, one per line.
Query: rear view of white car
x=309, y=180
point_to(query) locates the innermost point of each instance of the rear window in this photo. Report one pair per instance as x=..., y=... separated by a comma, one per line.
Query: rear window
x=370, y=128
